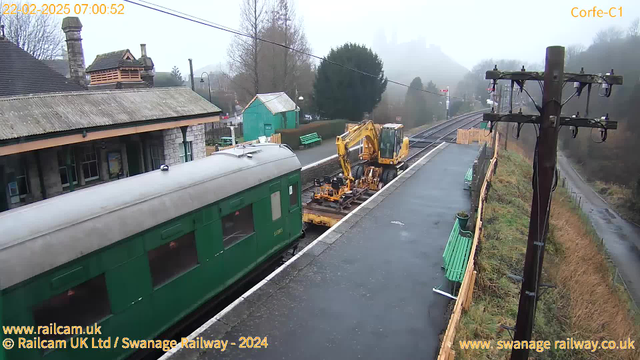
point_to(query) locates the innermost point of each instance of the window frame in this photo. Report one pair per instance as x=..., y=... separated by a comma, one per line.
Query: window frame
x=151, y=255
x=25, y=176
x=90, y=150
x=278, y=202
x=100, y=279
x=293, y=190
x=61, y=157
x=189, y=151
x=225, y=243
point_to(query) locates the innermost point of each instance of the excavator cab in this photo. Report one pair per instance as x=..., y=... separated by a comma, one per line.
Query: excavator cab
x=391, y=143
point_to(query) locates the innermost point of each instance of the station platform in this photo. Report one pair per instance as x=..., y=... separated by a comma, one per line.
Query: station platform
x=364, y=288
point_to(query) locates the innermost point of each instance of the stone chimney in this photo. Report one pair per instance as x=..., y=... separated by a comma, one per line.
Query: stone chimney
x=148, y=72
x=72, y=28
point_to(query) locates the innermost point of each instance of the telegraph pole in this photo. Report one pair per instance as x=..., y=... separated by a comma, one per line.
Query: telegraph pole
x=544, y=164
x=543, y=179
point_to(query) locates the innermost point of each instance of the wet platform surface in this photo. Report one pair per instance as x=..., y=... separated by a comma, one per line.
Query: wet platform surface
x=364, y=288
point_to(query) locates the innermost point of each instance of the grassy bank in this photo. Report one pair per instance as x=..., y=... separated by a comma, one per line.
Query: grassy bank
x=585, y=305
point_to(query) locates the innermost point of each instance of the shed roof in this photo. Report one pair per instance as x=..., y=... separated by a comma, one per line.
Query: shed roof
x=276, y=102
x=23, y=116
x=113, y=60
x=21, y=73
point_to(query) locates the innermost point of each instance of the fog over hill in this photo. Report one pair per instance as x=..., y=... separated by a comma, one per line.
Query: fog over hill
x=404, y=61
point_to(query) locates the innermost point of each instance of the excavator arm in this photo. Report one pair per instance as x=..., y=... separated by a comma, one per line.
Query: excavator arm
x=365, y=130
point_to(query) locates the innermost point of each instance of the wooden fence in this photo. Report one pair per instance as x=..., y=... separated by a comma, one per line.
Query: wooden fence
x=469, y=136
x=465, y=294
x=273, y=139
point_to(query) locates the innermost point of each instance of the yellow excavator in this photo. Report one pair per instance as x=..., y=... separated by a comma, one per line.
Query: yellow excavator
x=383, y=151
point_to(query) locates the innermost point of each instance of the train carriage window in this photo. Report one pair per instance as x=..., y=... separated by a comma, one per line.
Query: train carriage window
x=293, y=195
x=237, y=226
x=82, y=305
x=169, y=260
x=276, y=211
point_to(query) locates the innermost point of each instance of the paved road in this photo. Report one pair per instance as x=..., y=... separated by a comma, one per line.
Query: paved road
x=364, y=290
x=316, y=153
x=621, y=238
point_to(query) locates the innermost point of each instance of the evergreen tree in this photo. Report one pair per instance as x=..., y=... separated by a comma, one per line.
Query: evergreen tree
x=344, y=93
x=415, y=105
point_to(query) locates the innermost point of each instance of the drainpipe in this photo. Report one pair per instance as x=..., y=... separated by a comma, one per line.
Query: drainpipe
x=69, y=170
x=43, y=188
x=184, y=141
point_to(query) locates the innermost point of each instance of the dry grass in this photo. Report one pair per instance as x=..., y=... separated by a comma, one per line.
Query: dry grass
x=597, y=309
x=585, y=305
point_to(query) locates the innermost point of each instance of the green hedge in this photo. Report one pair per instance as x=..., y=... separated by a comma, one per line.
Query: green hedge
x=327, y=129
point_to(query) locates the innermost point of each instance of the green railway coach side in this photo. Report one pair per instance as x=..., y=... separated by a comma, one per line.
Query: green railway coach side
x=140, y=286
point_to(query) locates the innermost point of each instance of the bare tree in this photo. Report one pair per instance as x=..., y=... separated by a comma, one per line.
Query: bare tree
x=39, y=35
x=607, y=35
x=572, y=52
x=634, y=28
x=243, y=51
x=286, y=65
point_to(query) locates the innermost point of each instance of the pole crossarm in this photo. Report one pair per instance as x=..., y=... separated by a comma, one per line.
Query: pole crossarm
x=539, y=76
x=564, y=120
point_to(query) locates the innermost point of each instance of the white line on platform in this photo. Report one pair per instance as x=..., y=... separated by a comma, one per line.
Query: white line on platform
x=230, y=307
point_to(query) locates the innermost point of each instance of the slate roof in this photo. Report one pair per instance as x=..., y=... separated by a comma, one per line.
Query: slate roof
x=21, y=73
x=276, y=102
x=23, y=116
x=59, y=65
x=113, y=60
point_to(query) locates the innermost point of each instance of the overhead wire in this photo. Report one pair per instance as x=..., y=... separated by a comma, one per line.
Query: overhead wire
x=191, y=18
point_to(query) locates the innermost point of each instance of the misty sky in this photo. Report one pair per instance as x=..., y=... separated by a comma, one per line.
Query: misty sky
x=468, y=31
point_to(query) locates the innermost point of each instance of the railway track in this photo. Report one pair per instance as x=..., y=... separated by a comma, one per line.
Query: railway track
x=437, y=134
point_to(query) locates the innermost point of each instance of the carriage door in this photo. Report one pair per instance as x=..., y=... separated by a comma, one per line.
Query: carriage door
x=278, y=216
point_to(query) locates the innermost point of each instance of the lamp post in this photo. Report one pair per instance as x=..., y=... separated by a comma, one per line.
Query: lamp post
x=208, y=82
x=300, y=98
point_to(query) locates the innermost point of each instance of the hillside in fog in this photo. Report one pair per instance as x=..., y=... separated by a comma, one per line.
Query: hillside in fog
x=403, y=61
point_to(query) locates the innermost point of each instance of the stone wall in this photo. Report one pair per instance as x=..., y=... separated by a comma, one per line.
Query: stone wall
x=173, y=143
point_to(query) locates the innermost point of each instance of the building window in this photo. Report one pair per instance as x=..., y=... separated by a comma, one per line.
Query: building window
x=293, y=195
x=172, y=259
x=90, y=164
x=189, y=156
x=276, y=212
x=62, y=160
x=82, y=305
x=19, y=188
x=237, y=226
x=157, y=156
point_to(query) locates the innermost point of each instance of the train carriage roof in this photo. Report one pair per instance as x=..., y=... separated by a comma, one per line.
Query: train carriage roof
x=41, y=236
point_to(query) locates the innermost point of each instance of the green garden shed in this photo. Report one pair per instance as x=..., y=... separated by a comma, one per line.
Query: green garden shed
x=267, y=113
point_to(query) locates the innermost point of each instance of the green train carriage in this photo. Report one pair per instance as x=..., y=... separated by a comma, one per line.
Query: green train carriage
x=137, y=255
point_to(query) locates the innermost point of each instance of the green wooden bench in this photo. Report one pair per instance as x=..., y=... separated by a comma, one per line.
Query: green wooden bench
x=456, y=253
x=310, y=139
x=468, y=177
